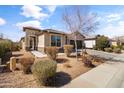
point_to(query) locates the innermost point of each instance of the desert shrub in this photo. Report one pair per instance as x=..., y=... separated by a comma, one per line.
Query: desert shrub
x=123, y=47
x=52, y=52
x=26, y=64
x=108, y=49
x=112, y=46
x=102, y=42
x=87, y=60
x=119, y=46
x=5, y=46
x=95, y=47
x=117, y=50
x=16, y=46
x=68, y=49
x=44, y=69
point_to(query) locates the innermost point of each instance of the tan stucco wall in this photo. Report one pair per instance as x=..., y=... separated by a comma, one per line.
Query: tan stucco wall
x=41, y=41
x=48, y=39
x=23, y=44
x=44, y=40
x=27, y=37
x=41, y=49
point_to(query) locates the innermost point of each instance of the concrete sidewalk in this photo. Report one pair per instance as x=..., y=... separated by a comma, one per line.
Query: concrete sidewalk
x=38, y=54
x=109, y=75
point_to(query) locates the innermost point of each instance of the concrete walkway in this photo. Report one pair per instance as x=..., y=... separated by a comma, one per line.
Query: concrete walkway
x=109, y=75
x=41, y=55
x=107, y=56
x=38, y=54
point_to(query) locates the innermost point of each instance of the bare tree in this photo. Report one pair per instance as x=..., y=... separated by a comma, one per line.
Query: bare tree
x=78, y=21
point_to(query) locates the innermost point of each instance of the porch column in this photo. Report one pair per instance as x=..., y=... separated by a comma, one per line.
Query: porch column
x=27, y=42
x=36, y=42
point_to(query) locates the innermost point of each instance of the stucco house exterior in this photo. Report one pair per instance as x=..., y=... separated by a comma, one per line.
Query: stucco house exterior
x=37, y=39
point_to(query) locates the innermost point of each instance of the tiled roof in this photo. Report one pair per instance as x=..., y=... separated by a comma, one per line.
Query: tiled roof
x=44, y=30
x=79, y=36
x=32, y=28
x=54, y=31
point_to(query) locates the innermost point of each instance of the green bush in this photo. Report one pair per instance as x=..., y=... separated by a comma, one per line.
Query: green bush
x=112, y=46
x=123, y=47
x=5, y=46
x=108, y=49
x=102, y=42
x=16, y=46
x=95, y=47
x=51, y=52
x=117, y=50
x=43, y=70
x=68, y=49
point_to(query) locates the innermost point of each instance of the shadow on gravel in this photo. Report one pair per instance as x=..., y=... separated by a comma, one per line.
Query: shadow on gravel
x=61, y=60
x=59, y=80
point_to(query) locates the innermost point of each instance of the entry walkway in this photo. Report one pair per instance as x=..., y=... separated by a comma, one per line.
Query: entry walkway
x=41, y=55
x=106, y=75
x=38, y=54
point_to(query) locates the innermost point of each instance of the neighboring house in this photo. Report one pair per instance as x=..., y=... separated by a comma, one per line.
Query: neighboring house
x=37, y=39
x=113, y=42
x=90, y=42
x=120, y=39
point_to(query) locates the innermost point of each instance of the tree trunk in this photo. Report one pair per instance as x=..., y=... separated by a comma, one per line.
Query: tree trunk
x=82, y=45
x=76, y=48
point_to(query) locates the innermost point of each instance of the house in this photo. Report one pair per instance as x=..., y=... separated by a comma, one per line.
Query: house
x=37, y=39
x=120, y=40
x=113, y=42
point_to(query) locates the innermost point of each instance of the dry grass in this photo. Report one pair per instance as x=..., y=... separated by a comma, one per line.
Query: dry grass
x=67, y=69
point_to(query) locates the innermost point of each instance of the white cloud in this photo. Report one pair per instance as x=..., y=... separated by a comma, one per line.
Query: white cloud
x=33, y=11
x=121, y=23
x=99, y=18
x=51, y=8
x=113, y=17
x=33, y=23
x=2, y=21
x=111, y=30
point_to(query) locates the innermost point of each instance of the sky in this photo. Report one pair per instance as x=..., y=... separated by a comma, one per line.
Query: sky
x=14, y=17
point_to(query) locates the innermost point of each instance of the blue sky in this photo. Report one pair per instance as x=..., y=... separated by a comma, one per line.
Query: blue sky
x=13, y=18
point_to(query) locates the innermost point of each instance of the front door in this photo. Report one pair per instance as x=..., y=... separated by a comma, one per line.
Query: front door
x=32, y=43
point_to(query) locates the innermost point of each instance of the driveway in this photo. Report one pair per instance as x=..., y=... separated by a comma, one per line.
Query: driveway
x=107, y=56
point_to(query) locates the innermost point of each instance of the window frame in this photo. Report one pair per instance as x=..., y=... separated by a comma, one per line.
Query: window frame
x=56, y=41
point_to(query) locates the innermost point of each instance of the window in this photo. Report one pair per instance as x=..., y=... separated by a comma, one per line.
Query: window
x=56, y=41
